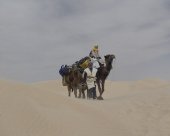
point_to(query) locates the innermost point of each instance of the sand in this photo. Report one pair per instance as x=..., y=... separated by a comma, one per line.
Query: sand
x=133, y=108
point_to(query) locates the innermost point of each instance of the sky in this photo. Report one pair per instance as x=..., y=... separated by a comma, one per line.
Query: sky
x=38, y=36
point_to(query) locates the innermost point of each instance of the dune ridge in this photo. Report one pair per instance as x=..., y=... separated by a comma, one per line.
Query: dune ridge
x=129, y=108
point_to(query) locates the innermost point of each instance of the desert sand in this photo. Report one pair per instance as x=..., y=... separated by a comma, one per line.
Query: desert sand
x=132, y=108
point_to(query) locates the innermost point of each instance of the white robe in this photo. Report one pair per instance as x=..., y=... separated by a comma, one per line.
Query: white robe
x=95, y=63
x=91, y=77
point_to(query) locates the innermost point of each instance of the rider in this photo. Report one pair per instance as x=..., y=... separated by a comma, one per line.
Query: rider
x=94, y=53
x=95, y=57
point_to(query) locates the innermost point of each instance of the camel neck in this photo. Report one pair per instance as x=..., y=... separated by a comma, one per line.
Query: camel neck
x=108, y=67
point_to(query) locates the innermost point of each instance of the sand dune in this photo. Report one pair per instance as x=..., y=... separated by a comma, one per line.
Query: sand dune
x=136, y=108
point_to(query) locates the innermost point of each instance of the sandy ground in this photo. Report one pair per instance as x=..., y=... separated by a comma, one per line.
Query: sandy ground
x=136, y=108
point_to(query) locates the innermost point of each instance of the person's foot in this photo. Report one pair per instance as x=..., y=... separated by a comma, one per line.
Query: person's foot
x=95, y=97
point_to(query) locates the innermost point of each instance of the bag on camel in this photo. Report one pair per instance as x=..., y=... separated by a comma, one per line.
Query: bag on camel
x=83, y=63
x=64, y=70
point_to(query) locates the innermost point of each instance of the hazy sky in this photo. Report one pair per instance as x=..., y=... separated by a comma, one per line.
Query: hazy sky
x=38, y=36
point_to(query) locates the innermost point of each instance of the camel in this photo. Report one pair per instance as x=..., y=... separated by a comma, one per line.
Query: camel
x=103, y=73
x=74, y=81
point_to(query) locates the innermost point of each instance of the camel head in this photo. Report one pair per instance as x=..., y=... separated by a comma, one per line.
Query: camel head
x=109, y=59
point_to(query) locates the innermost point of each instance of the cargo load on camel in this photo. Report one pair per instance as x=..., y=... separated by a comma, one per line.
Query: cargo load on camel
x=64, y=71
x=84, y=62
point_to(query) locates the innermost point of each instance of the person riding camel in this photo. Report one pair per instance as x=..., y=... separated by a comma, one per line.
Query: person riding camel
x=95, y=57
x=94, y=53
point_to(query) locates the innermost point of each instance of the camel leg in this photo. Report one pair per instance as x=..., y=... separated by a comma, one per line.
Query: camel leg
x=69, y=90
x=103, y=83
x=99, y=88
x=84, y=88
x=80, y=87
x=75, y=92
x=80, y=90
x=100, y=91
x=83, y=95
x=88, y=94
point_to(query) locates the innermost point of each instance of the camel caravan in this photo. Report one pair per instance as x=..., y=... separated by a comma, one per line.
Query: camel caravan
x=86, y=73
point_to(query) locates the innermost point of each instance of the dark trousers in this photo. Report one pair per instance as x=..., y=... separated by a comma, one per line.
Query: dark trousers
x=91, y=93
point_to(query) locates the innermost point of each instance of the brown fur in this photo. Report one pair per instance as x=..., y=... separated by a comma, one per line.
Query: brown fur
x=74, y=82
x=103, y=73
